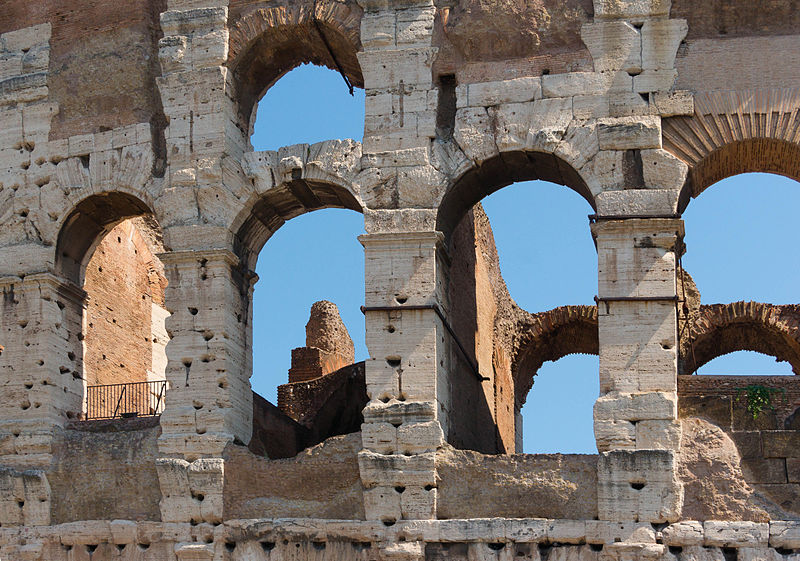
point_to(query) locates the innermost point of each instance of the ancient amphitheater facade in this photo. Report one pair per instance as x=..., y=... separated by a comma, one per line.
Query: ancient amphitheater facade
x=125, y=153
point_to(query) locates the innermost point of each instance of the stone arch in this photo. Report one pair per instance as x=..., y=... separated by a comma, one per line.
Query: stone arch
x=310, y=178
x=266, y=43
x=736, y=132
x=549, y=336
x=108, y=246
x=720, y=329
x=500, y=171
x=91, y=219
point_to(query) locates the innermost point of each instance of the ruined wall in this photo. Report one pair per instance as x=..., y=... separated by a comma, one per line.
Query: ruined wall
x=103, y=62
x=105, y=471
x=636, y=105
x=323, y=479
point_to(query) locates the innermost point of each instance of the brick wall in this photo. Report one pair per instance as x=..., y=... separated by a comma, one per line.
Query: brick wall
x=124, y=280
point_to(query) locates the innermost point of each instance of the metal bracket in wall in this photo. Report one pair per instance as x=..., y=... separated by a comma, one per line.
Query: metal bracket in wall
x=440, y=314
x=600, y=218
x=598, y=299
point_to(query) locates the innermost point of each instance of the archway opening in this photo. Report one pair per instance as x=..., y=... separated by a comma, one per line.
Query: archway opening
x=109, y=247
x=539, y=240
x=736, y=236
x=307, y=326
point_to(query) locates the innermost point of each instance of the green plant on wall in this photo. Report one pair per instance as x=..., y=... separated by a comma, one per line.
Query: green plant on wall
x=759, y=398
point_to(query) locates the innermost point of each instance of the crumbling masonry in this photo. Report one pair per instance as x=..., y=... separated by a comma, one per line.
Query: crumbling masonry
x=133, y=209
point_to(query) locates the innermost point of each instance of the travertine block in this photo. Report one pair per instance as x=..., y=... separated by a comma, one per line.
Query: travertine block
x=631, y=9
x=784, y=534
x=683, y=534
x=659, y=434
x=660, y=41
x=638, y=485
x=636, y=407
x=735, y=534
x=625, y=133
x=615, y=45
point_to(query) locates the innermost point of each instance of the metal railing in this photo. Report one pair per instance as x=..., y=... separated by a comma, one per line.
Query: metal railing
x=114, y=401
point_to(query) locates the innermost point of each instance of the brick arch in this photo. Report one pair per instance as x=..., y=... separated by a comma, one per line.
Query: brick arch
x=266, y=43
x=491, y=175
x=736, y=132
x=719, y=329
x=549, y=336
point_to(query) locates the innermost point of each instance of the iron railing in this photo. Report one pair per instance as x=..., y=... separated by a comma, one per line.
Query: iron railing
x=114, y=401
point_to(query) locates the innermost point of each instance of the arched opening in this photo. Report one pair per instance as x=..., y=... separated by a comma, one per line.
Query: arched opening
x=735, y=240
x=109, y=247
x=539, y=239
x=267, y=43
x=307, y=328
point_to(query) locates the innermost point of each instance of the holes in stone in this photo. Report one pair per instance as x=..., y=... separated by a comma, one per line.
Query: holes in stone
x=596, y=546
x=319, y=546
x=384, y=399
x=429, y=487
x=638, y=485
x=85, y=161
x=545, y=71
x=646, y=98
x=401, y=397
x=400, y=489
x=144, y=546
x=208, y=335
x=401, y=299
x=100, y=269
x=230, y=546
x=28, y=385
x=121, y=547
x=25, y=405
x=200, y=431
x=638, y=25
x=23, y=324
x=206, y=358
x=197, y=405
x=390, y=329
x=20, y=504
x=675, y=549
x=666, y=346
x=360, y=546
x=71, y=356
x=730, y=553
x=67, y=548
x=23, y=213
x=64, y=369
x=187, y=362
x=91, y=547
x=393, y=361
x=392, y=521
x=396, y=424
x=267, y=546
x=193, y=311
x=496, y=546
x=544, y=550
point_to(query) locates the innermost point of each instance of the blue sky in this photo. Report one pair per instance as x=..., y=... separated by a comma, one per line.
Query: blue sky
x=736, y=235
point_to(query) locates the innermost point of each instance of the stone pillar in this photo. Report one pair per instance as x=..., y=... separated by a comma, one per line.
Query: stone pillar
x=405, y=375
x=209, y=403
x=40, y=365
x=636, y=415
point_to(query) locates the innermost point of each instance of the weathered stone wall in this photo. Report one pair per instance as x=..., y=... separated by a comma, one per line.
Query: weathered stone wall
x=105, y=470
x=110, y=113
x=323, y=479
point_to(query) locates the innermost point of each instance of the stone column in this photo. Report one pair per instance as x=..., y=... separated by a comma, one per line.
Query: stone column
x=405, y=381
x=209, y=403
x=40, y=365
x=636, y=415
